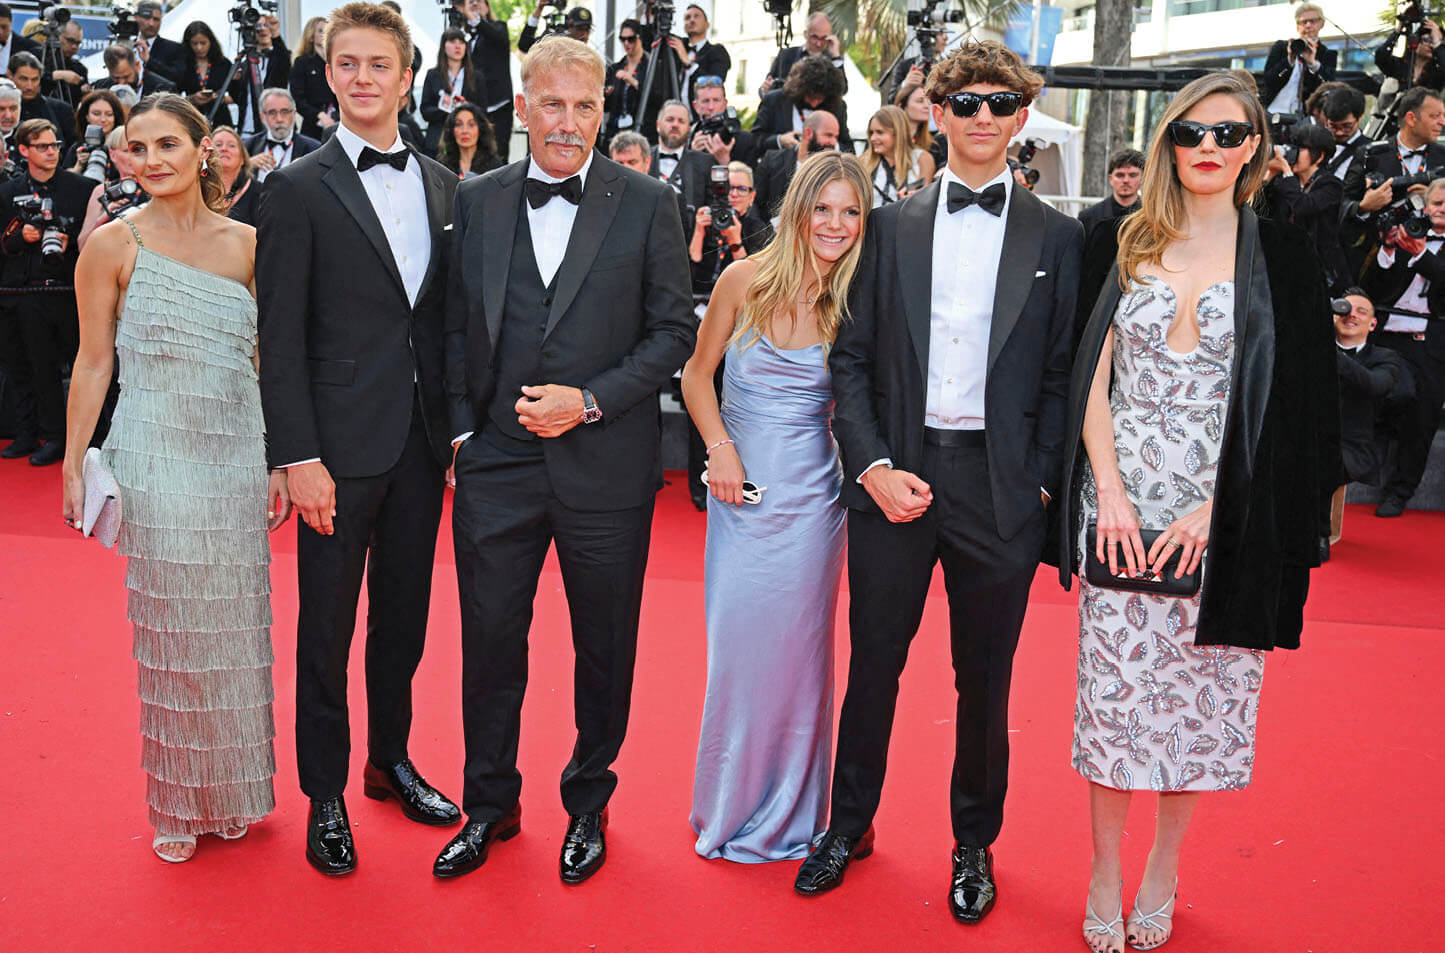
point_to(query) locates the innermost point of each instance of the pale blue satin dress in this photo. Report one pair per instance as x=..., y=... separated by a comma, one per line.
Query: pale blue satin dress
x=772, y=572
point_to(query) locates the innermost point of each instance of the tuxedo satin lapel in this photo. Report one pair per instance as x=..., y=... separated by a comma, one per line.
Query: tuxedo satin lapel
x=914, y=256
x=1023, y=241
x=499, y=230
x=436, y=215
x=345, y=183
x=601, y=197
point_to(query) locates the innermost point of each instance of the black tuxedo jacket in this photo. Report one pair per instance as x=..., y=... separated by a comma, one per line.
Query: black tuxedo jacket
x=313, y=94
x=689, y=180
x=167, y=59
x=775, y=172
x=492, y=54
x=1386, y=285
x=620, y=323
x=151, y=82
x=1382, y=159
x=340, y=343
x=879, y=362
x=775, y=117
x=712, y=60
x=43, y=107
x=1277, y=68
x=300, y=145
x=1373, y=381
x=1315, y=208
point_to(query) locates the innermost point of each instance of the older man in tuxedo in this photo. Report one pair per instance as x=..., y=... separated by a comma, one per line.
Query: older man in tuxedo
x=568, y=310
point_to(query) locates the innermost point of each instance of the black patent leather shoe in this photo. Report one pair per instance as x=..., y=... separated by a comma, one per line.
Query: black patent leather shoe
x=468, y=850
x=20, y=447
x=329, y=846
x=972, y=891
x=824, y=868
x=419, y=801
x=52, y=451
x=584, y=846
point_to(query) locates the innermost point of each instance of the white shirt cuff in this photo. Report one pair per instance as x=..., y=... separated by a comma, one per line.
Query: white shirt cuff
x=880, y=462
x=287, y=466
x=1386, y=257
x=460, y=438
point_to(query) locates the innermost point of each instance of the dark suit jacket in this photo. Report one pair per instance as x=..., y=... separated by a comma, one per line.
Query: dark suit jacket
x=1277, y=68
x=1105, y=211
x=620, y=324
x=712, y=60
x=775, y=117
x=151, y=82
x=1280, y=458
x=492, y=54
x=879, y=362
x=340, y=343
x=689, y=180
x=167, y=58
x=1386, y=285
x=784, y=61
x=300, y=145
x=313, y=94
x=1316, y=210
x=1357, y=235
x=1433, y=75
x=771, y=180
x=1371, y=380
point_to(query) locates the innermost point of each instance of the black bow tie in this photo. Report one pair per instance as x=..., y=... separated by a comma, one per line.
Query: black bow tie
x=991, y=199
x=370, y=157
x=675, y=156
x=277, y=143
x=1412, y=152
x=539, y=193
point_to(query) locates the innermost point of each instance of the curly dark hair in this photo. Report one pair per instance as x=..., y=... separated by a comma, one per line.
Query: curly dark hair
x=987, y=61
x=815, y=76
x=449, y=155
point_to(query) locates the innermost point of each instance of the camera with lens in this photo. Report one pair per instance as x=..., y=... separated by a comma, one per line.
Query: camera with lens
x=40, y=212
x=926, y=25
x=455, y=19
x=1020, y=163
x=247, y=14
x=122, y=195
x=122, y=24
x=717, y=198
x=1408, y=213
x=1340, y=306
x=97, y=164
x=724, y=125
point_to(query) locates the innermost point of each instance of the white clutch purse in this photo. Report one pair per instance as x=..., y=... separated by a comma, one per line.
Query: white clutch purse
x=101, y=515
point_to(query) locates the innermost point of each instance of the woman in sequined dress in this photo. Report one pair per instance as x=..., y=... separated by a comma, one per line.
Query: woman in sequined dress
x=1204, y=352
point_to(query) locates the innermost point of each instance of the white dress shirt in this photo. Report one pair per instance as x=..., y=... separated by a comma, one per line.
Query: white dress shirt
x=1416, y=296
x=551, y=224
x=667, y=163
x=1287, y=100
x=966, y=249
x=282, y=155
x=5, y=52
x=399, y=200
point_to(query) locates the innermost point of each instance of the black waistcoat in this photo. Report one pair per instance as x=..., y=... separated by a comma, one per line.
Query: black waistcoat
x=524, y=319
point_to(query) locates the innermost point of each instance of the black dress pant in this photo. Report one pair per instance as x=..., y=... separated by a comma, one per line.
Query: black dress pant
x=45, y=328
x=1417, y=420
x=386, y=526
x=504, y=517
x=987, y=578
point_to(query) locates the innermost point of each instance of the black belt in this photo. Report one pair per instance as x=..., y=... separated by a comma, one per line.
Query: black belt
x=953, y=438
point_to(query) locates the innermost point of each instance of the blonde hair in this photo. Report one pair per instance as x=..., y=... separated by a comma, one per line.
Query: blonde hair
x=784, y=264
x=741, y=168
x=1145, y=235
x=562, y=52
x=895, y=121
x=370, y=16
x=308, y=35
x=1304, y=8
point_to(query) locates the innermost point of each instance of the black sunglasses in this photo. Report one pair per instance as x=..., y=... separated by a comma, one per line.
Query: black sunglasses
x=627, y=38
x=966, y=105
x=1227, y=135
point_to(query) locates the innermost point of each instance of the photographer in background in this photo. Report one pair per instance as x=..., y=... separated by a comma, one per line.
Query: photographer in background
x=1299, y=191
x=913, y=70
x=1340, y=109
x=632, y=150
x=492, y=56
x=1294, y=68
x=577, y=24
x=711, y=248
x=697, y=56
x=122, y=69
x=1372, y=380
x=1422, y=65
x=153, y=52
x=68, y=82
x=273, y=69
x=1413, y=150
x=718, y=132
x=1126, y=171
x=102, y=110
x=819, y=40
x=622, y=93
x=12, y=42
x=813, y=84
x=25, y=72
x=1408, y=275
x=677, y=165
x=9, y=119
x=777, y=168
x=41, y=214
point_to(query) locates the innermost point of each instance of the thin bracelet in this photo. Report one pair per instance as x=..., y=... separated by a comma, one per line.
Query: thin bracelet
x=718, y=444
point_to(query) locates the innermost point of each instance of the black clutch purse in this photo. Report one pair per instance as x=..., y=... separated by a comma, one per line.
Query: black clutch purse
x=1164, y=584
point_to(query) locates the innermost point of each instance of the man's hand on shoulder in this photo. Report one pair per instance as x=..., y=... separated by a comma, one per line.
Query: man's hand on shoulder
x=550, y=410
x=901, y=495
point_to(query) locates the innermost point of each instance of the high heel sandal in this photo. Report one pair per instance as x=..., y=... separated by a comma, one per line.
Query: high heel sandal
x=1094, y=924
x=1137, y=922
x=161, y=840
x=235, y=834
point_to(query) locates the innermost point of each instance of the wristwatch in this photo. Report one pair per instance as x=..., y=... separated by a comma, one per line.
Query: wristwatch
x=591, y=413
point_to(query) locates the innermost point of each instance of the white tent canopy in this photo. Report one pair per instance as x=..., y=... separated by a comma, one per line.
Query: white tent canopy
x=1061, y=164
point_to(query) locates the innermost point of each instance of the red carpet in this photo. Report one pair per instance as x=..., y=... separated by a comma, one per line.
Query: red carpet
x=1332, y=849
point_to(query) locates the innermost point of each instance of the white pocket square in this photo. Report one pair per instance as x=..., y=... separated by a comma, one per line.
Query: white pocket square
x=1040, y=274
x=446, y=228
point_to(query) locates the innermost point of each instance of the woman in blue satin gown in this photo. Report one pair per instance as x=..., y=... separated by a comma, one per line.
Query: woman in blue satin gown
x=775, y=537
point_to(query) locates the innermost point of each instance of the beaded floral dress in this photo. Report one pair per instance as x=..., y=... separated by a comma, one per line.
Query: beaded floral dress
x=1154, y=711
x=187, y=446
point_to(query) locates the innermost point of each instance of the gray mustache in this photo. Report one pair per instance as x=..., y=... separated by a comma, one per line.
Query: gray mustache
x=565, y=139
